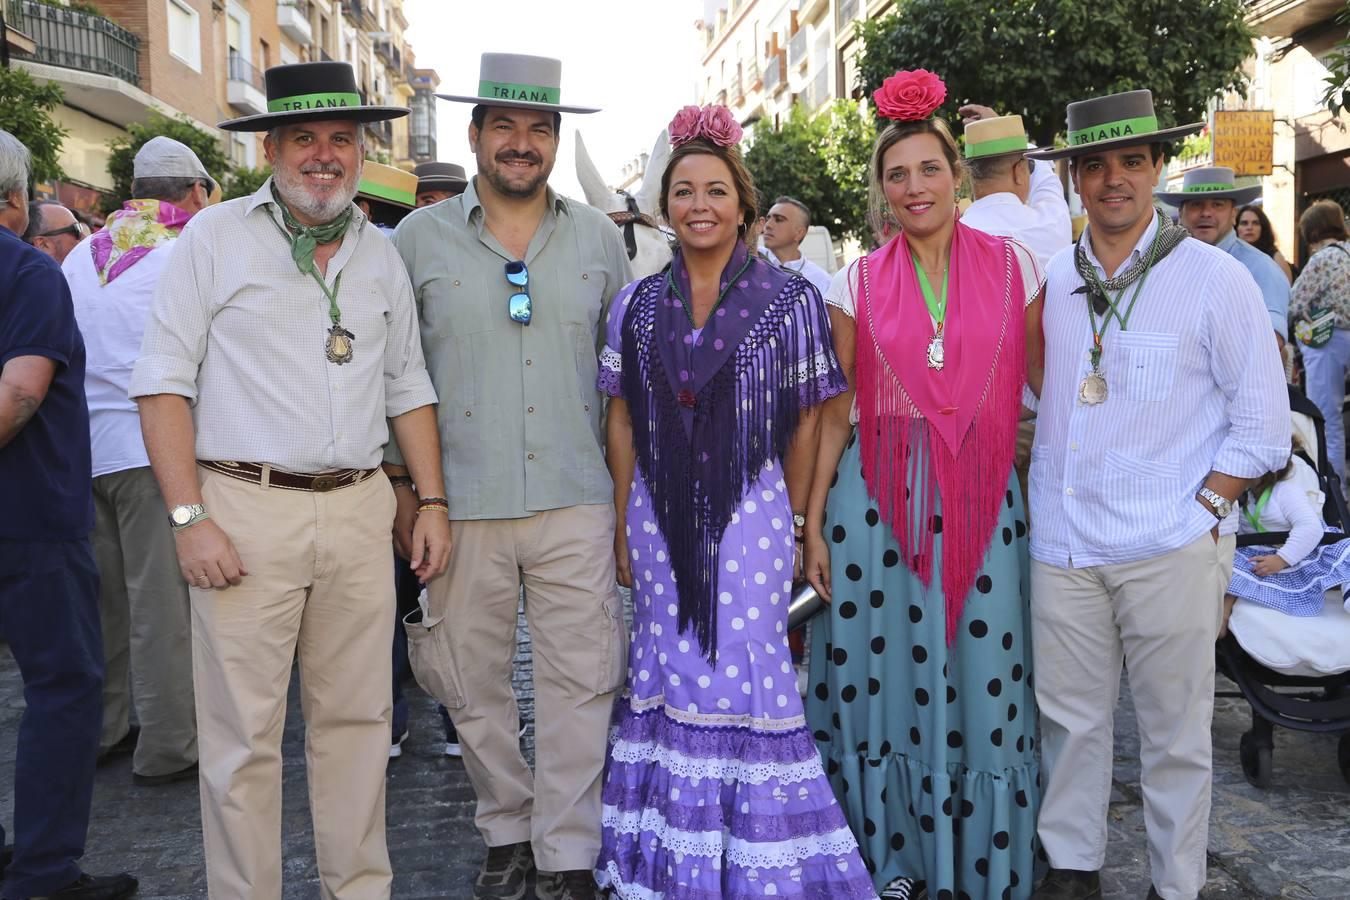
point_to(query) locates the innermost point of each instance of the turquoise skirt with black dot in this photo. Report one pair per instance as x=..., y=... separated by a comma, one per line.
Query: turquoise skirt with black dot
x=930, y=749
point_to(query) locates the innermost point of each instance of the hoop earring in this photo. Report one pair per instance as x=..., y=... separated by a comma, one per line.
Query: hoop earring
x=740, y=229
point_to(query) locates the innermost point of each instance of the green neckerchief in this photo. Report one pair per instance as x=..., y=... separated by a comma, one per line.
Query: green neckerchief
x=304, y=239
x=1254, y=516
x=936, y=308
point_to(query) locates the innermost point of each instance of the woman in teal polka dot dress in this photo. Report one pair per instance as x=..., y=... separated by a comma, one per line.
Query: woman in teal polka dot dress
x=920, y=693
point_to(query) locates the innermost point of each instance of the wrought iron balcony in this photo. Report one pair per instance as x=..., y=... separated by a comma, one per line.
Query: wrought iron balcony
x=797, y=48
x=293, y=20
x=78, y=40
x=245, y=89
x=750, y=74
x=775, y=73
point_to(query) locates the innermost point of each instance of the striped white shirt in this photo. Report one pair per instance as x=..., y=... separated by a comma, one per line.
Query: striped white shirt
x=1194, y=385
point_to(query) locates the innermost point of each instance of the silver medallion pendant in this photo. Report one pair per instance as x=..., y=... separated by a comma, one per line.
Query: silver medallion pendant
x=935, y=352
x=1092, y=389
x=338, y=346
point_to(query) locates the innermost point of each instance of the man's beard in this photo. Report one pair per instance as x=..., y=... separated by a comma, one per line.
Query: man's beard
x=503, y=185
x=296, y=192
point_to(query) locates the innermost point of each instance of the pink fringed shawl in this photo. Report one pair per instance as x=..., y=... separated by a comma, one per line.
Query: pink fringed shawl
x=954, y=429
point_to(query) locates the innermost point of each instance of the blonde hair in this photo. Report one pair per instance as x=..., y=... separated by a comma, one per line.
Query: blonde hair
x=879, y=208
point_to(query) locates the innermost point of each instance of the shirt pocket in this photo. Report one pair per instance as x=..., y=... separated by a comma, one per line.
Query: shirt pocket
x=1140, y=497
x=1147, y=365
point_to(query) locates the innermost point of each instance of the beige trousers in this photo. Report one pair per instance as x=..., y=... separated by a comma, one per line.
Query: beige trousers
x=147, y=626
x=565, y=560
x=321, y=583
x=1161, y=617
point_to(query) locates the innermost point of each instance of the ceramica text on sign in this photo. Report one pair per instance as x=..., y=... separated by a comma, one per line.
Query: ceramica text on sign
x=1244, y=140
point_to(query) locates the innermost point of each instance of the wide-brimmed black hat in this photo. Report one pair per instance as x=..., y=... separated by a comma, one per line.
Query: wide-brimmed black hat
x=312, y=92
x=1116, y=120
x=440, y=176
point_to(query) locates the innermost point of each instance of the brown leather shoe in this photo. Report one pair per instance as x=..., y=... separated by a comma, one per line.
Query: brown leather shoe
x=1069, y=884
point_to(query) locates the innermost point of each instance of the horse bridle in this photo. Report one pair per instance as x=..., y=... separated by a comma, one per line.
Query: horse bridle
x=626, y=219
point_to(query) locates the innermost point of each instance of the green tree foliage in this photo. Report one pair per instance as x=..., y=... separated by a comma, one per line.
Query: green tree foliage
x=820, y=161
x=1034, y=57
x=122, y=160
x=1336, y=94
x=244, y=182
x=25, y=112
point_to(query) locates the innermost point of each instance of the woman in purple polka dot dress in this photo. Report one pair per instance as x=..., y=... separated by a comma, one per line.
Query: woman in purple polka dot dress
x=714, y=787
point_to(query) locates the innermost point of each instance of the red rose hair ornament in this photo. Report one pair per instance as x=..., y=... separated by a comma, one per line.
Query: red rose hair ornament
x=910, y=96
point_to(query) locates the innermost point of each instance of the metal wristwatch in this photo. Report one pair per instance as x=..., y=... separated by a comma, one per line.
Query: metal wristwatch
x=798, y=520
x=188, y=514
x=1222, y=505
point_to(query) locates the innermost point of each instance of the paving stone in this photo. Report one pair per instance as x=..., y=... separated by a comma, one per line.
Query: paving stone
x=1288, y=841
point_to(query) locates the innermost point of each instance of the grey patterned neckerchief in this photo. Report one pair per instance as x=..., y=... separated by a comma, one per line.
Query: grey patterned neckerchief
x=1168, y=236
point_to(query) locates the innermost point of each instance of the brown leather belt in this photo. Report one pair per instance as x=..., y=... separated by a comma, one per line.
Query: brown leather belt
x=290, y=481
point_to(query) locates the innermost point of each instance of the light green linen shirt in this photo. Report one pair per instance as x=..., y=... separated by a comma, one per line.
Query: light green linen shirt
x=519, y=411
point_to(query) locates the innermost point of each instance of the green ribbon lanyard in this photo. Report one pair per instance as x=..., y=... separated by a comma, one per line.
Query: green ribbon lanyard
x=937, y=308
x=688, y=309
x=1114, y=310
x=304, y=240
x=1254, y=516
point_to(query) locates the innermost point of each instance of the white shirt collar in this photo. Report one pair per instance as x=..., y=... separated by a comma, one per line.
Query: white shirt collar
x=1140, y=246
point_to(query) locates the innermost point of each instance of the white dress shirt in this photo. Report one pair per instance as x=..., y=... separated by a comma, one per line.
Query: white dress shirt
x=112, y=319
x=1042, y=223
x=1194, y=385
x=803, y=267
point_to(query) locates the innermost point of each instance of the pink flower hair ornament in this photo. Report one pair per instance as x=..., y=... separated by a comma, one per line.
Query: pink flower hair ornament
x=910, y=96
x=714, y=124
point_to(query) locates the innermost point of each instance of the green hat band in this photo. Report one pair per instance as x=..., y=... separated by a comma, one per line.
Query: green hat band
x=522, y=93
x=303, y=102
x=384, y=192
x=1110, y=131
x=1206, y=188
x=998, y=145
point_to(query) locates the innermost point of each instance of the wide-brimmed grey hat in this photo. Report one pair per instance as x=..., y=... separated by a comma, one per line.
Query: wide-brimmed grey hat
x=440, y=176
x=163, y=157
x=516, y=80
x=1116, y=120
x=1210, y=183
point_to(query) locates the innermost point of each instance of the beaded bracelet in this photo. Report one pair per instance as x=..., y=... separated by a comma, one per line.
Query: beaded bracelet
x=437, y=503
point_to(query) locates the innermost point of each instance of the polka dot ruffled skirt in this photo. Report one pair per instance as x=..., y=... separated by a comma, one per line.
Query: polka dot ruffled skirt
x=930, y=748
x=714, y=787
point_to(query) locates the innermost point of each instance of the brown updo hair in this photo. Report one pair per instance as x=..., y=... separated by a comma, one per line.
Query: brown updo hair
x=879, y=209
x=741, y=180
x=1322, y=221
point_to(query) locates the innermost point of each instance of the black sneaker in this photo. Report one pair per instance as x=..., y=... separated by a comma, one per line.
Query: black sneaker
x=95, y=887
x=904, y=889
x=452, y=747
x=1069, y=884
x=167, y=778
x=505, y=873
x=577, y=884
x=125, y=747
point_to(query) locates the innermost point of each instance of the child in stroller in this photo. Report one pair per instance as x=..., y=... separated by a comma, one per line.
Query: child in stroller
x=1294, y=577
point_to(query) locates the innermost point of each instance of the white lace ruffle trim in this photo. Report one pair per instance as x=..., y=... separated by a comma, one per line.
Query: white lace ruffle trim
x=676, y=763
x=717, y=845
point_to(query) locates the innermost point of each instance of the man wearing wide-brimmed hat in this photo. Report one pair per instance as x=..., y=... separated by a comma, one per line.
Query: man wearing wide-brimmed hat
x=512, y=281
x=437, y=181
x=281, y=340
x=1161, y=402
x=1014, y=197
x=386, y=194
x=1209, y=200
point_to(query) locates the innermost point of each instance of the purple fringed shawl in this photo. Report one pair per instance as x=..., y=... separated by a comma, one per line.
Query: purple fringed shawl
x=709, y=411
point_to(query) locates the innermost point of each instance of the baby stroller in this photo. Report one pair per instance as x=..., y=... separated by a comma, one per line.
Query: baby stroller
x=1291, y=695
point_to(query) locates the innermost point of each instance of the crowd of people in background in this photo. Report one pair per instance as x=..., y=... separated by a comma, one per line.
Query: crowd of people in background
x=363, y=409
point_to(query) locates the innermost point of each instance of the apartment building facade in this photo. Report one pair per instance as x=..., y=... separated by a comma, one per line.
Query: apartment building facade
x=203, y=59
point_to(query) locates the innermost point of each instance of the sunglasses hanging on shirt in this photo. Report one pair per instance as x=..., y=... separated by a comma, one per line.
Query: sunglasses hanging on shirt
x=519, y=307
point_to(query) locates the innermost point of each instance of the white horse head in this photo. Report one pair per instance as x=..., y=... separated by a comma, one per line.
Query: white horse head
x=651, y=250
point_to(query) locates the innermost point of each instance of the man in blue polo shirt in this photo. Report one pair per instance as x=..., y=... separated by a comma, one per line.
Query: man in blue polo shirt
x=48, y=582
x=1209, y=200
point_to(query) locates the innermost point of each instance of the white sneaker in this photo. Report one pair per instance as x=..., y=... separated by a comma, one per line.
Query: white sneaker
x=453, y=749
x=396, y=748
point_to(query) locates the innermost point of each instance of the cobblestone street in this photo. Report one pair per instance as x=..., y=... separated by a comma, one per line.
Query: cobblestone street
x=1290, y=841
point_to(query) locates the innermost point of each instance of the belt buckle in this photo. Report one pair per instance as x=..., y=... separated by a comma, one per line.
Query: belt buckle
x=323, y=483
